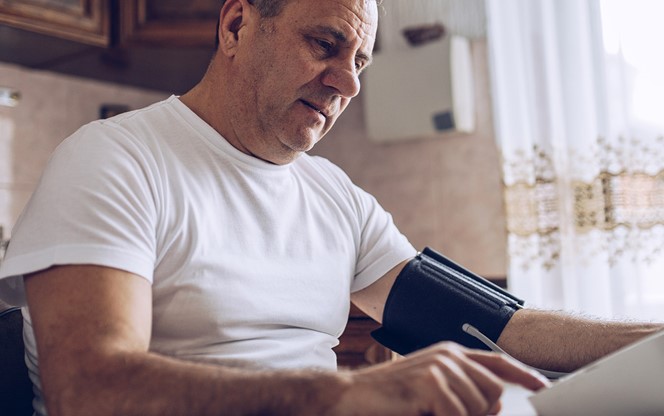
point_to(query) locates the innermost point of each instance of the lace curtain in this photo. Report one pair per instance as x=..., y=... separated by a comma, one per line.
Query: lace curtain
x=580, y=128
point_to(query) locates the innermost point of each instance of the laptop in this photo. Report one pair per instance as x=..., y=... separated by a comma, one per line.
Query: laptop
x=627, y=382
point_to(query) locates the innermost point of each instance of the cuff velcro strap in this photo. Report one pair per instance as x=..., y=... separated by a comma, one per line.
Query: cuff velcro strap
x=431, y=300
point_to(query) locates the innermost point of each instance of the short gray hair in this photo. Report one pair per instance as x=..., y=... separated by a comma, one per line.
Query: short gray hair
x=266, y=8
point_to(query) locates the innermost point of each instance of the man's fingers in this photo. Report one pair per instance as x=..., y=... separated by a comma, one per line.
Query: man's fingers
x=489, y=383
x=475, y=385
x=450, y=379
x=496, y=408
x=447, y=402
x=470, y=386
x=510, y=370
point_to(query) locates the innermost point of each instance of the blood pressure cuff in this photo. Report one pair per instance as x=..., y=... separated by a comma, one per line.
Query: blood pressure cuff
x=431, y=300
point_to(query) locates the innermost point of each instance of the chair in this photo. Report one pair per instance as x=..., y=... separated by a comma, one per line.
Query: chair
x=15, y=386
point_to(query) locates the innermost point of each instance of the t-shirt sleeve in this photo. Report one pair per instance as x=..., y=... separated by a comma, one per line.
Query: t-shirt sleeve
x=94, y=204
x=380, y=244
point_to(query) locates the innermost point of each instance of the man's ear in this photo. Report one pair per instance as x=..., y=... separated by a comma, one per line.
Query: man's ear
x=233, y=16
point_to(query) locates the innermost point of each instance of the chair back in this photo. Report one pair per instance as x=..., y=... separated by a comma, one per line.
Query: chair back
x=15, y=385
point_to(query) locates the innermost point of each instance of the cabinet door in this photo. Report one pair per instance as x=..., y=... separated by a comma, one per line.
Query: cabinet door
x=86, y=21
x=169, y=22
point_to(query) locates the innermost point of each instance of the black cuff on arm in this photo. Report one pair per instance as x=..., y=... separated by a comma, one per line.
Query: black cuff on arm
x=431, y=300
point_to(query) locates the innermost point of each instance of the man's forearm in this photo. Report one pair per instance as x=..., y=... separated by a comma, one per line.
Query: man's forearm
x=150, y=384
x=564, y=342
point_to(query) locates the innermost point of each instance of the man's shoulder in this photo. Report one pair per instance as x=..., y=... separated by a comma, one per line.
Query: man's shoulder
x=132, y=129
x=157, y=115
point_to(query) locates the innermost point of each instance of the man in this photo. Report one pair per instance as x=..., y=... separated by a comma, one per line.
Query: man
x=197, y=231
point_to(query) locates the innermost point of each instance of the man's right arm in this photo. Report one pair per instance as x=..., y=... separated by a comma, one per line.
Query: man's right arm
x=92, y=325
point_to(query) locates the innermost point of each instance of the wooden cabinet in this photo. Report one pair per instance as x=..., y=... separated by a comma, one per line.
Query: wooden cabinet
x=169, y=22
x=85, y=21
x=356, y=347
x=163, y=45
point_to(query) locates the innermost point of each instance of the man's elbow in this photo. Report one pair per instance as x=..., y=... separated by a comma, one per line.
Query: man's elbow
x=83, y=385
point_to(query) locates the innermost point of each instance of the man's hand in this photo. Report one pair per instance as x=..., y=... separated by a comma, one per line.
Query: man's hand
x=444, y=379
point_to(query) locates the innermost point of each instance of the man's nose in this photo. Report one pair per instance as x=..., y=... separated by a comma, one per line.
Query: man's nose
x=343, y=77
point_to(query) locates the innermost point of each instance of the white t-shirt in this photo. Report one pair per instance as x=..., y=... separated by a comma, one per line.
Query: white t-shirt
x=247, y=260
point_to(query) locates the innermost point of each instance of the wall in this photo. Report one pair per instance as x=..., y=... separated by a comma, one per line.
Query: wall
x=443, y=192
x=51, y=108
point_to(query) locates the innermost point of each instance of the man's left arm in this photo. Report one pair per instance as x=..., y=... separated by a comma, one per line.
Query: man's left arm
x=562, y=341
x=371, y=299
x=551, y=340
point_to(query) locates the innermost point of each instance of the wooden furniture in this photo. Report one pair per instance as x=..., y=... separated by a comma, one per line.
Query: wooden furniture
x=96, y=22
x=164, y=45
x=168, y=22
x=84, y=21
x=356, y=347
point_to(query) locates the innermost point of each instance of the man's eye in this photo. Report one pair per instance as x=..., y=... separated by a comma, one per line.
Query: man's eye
x=325, y=45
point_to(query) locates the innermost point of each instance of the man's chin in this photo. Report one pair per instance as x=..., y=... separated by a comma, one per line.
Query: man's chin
x=304, y=142
x=287, y=154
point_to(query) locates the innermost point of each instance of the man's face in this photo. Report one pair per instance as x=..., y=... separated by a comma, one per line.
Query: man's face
x=298, y=72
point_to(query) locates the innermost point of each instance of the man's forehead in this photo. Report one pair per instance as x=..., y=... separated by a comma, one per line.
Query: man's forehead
x=360, y=16
x=361, y=12
x=348, y=21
